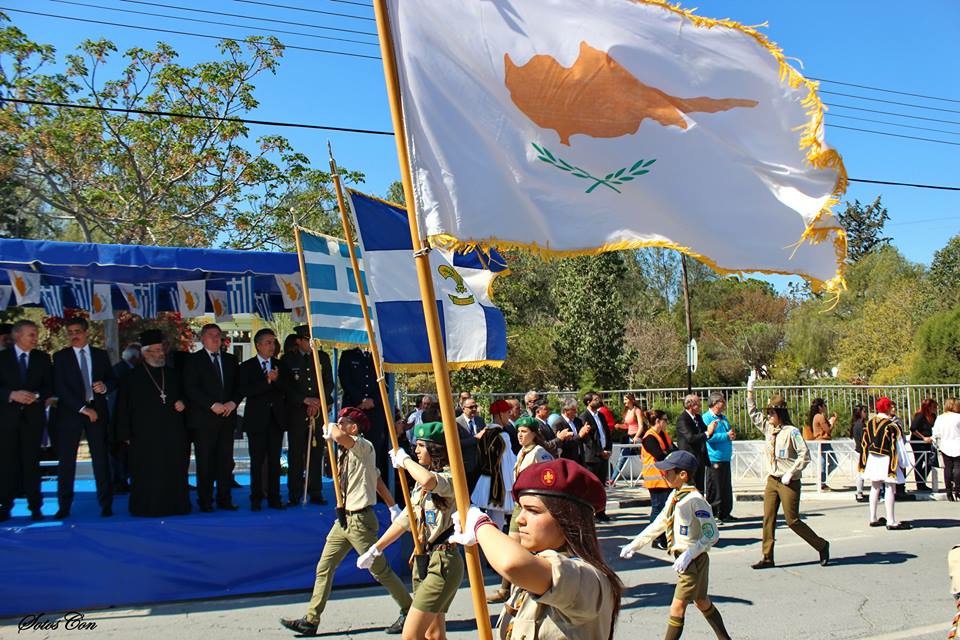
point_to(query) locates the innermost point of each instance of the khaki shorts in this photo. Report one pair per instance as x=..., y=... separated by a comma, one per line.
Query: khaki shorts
x=514, y=525
x=692, y=584
x=434, y=593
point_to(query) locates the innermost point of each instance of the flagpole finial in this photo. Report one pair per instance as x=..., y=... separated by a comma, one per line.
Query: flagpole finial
x=330, y=150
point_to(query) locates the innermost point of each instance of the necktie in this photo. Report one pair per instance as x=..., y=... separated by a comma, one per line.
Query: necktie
x=678, y=495
x=23, y=367
x=263, y=363
x=85, y=375
x=473, y=427
x=216, y=363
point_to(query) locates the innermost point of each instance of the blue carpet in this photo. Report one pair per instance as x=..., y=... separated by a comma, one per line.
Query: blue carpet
x=86, y=561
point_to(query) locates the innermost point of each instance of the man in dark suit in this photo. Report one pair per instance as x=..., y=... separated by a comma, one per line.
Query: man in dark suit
x=568, y=432
x=209, y=382
x=597, y=443
x=470, y=423
x=692, y=434
x=82, y=377
x=26, y=382
x=120, y=451
x=261, y=382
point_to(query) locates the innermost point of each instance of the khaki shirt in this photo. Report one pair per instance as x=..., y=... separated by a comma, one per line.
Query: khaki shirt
x=527, y=457
x=437, y=520
x=786, y=450
x=358, y=475
x=578, y=605
x=693, y=525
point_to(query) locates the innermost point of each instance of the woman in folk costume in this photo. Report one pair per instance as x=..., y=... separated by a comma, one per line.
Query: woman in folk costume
x=562, y=588
x=436, y=580
x=787, y=455
x=532, y=451
x=492, y=491
x=883, y=462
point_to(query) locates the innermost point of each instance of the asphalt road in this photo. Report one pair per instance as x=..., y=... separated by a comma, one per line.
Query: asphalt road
x=882, y=585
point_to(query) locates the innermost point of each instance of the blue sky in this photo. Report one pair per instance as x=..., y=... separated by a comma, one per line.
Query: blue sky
x=905, y=47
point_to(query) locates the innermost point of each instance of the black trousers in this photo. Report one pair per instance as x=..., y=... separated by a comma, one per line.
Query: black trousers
x=214, y=444
x=264, y=446
x=296, y=457
x=719, y=489
x=951, y=473
x=20, y=462
x=68, y=441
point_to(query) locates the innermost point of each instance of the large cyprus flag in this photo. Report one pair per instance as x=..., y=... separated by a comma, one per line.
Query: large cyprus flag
x=577, y=126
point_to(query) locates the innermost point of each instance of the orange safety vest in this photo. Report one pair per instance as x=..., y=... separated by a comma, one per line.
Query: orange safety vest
x=652, y=477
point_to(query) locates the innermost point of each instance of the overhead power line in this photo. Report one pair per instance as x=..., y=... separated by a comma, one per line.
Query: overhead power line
x=186, y=33
x=892, y=124
x=358, y=4
x=894, y=135
x=241, y=15
x=902, y=104
x=216, y=22
x=891, y=113
x=275, y=123
x=292, y=8
x=864, y=86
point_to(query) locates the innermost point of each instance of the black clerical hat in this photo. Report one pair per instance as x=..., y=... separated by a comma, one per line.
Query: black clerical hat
x=151, y=336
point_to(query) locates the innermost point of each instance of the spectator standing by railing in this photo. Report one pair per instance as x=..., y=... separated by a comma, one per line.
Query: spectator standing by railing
x=720, y=437
x=857, y=418
x=822, y=430
x=946, y=435
x=921, y=439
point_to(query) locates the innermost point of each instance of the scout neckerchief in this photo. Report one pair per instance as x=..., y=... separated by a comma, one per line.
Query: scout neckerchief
x=678, y=495
x=342, y=462
x=772, y=445
x=422, y=518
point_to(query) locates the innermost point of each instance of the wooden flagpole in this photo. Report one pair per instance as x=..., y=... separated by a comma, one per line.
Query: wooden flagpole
x=432, y=317
x=374, y=349
x=331, y=454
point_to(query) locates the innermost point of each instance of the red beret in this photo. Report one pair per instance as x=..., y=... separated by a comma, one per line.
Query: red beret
x=883, y=404
x=357, y=417
x=561, y=478
x=500, y=406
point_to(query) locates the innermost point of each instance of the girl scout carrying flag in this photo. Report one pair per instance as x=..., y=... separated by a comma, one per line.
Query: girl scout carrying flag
x=691, y=530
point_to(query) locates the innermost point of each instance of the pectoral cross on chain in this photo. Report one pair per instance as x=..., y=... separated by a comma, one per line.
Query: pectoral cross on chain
x=163, y=397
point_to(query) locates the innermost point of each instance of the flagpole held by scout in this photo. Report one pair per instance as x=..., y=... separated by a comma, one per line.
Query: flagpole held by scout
x=420, y=557
x=431, y=316
x=331, y=455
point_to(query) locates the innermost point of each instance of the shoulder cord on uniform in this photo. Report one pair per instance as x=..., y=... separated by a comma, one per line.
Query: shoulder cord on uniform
x=956, y=621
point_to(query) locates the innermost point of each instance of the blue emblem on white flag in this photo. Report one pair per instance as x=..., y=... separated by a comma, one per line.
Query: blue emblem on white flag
x=474, y=330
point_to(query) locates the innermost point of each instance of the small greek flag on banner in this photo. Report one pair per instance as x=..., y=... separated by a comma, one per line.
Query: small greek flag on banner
x=474, y=331
x=141, y=298
x=52, y=298
x=334, y=302
x=82, y=290
x=240, y=295
x=263, y=306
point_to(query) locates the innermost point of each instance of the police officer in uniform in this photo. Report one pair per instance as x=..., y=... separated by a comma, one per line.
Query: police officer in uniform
x=303, y=403
x=691, y=531
x=358, y=379
x=360, y=483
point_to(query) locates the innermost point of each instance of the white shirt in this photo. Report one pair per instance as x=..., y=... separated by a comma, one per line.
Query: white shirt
x=18, y=351
x=86, y=354
x=946, y=433
x=266, y=362
x=602, y=432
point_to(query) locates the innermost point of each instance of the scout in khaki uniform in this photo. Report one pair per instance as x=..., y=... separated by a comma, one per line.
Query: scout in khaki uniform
x=787, y=455
x=691, y=531
x=360, y=483
x=436, y=581
x=562, y=588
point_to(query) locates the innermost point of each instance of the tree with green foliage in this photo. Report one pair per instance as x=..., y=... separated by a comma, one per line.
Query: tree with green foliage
x=937, y=359
x=944, y=273
x=864, y=226
x=810, y=339
x=142, y=178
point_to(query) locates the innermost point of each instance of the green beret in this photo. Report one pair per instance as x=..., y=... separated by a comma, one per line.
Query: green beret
x=429, y=432
x=526, y=421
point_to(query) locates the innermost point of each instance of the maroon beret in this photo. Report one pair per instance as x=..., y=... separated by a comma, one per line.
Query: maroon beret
x=357, y=417
x=500, y=406
x=561, y=478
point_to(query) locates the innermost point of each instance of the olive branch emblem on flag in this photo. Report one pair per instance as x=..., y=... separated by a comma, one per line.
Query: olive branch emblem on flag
x=618, y=177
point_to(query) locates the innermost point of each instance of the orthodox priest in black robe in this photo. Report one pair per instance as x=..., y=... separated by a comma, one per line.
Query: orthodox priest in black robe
x=150, y=419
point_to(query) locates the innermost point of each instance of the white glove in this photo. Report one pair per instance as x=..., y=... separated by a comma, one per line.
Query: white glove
x=468, y=537
x=395, y=512
x=627, y=551
x=370, y=555
x=327, y=432
x=683, y=561
x=398, y=457
x=786, y=478
x=751, y=379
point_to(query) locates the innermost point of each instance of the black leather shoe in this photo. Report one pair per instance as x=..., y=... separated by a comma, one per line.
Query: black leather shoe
x=255, y=506
x=106, y=512
x=862, y=498
x=900, y=526
x=397, y=627
x=227, y=506
x=318, y=500
x=300, y=625
x=61, y=514
x=206, y=509
x=825, y=555
x=276, y=504
x=763, y=564
x=293, y=503
x=880, y=522
x=602, y=517
x=36, y=514
x=660, y=544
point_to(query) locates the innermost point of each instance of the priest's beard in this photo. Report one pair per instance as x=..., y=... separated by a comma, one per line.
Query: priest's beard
x=155, y=360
